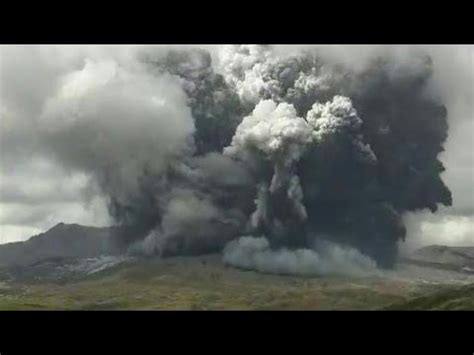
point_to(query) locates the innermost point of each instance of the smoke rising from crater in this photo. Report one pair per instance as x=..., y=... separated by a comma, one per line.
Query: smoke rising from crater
x=192, y=149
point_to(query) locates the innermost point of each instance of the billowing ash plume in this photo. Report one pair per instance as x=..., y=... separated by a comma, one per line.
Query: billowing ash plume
x=313, y=162
x=375, y=137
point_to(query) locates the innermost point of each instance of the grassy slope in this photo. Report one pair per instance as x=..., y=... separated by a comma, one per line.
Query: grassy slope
x=204, y=283
x=454, y=298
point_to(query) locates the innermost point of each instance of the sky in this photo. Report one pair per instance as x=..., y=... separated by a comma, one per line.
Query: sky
x=36, y=192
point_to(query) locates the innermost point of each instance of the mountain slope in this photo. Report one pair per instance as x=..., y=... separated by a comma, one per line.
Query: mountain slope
x=454, y=258
x=452, y=298
x=61, y=241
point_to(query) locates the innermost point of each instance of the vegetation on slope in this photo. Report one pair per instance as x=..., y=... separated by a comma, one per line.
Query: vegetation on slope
x=198, y=283
x=453, y=298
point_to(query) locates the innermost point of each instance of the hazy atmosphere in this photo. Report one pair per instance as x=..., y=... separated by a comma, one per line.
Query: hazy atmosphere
x=287, y=158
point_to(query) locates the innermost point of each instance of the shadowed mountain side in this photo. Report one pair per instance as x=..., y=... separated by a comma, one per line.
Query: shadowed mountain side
x=73, y=241
x=61, y=241
x=455, y=258
x=454, y=298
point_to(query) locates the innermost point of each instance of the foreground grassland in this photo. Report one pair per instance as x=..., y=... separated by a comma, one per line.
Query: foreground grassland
x=204, y=283
x=458, y=298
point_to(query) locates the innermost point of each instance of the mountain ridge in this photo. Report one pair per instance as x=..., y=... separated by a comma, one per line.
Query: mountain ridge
x=61, y=241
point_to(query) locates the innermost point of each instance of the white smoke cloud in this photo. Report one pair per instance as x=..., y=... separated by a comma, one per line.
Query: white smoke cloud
x=68, y=115
x=254, y=253
x=109, y=118
x=273, y=129
x=338, y=117
x=243, y=67
x=276, y=131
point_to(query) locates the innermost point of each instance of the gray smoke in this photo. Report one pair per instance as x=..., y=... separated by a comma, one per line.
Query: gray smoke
x=192, y=148
x=253, y=253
